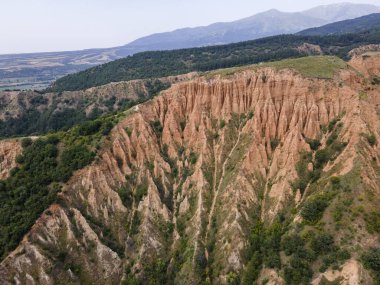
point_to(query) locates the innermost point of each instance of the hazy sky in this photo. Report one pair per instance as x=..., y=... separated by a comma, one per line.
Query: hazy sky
x=56, y=25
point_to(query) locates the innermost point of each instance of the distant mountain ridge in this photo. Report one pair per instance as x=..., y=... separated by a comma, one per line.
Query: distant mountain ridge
x=29, y=71
x=269, y=23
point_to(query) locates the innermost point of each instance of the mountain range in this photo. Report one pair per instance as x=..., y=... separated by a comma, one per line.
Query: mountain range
x=40, y=69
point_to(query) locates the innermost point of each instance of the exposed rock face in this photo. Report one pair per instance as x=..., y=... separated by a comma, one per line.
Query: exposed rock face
x=197, y=165
x=351, y=273
x=9, y=149
x=367, y=63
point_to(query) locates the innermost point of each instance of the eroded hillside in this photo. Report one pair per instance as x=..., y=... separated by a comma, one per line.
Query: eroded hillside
x=263, y=175
x=31, y=112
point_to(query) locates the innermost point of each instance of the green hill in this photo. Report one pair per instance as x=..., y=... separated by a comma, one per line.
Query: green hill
x=165, y=63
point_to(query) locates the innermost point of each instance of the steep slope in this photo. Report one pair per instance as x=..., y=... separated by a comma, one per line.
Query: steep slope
x=361, y=24
x=40, y=69
x=214, y=179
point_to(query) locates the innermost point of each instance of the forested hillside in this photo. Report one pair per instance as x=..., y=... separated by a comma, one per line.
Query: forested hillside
x=165, y=63
x=343, y=27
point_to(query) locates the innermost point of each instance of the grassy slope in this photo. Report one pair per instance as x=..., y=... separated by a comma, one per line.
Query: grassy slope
x=324, y=67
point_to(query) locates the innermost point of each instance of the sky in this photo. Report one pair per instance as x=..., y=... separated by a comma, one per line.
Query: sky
x=60, y=25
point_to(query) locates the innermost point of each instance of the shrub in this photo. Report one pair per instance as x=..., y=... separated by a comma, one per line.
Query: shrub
x=274, y=143
x=314, y=144
x=193, y=157
x=371, y=139
x=335, y=182
x=321, y=157
x=298, y=271
x=141, y=191
x=182, y=125
x=89, y=128
x=371, y=260
x=322, y=243
x=25, y=142
x=376, y=81
x=76, y=157
x=157, y=127
x=332, y=124
x=291, y=243
x=233, y=279
x=125, y=194
x=222, y=124
x=372, y=220
x=313, y=210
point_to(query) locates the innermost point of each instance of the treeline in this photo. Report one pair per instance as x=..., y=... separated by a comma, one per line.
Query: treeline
x=165, y=63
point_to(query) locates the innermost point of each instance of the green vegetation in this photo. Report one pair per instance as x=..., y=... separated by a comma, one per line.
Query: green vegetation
x=312, y=211
x=322, y=156
x=371, y=260
x=141, y=191
x=343, y=27
x=34, y=184
x=157, y=127
x=372, y=220
x=371, y=139
x=166, y=63
x=314, y=144
x=264, y=250
x=274, y=143
x=315, y=66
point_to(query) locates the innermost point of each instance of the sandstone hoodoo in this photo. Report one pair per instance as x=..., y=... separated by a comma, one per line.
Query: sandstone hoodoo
x=265, y=174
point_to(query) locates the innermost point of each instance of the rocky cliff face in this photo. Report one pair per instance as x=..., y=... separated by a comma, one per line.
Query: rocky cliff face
x=181, y=182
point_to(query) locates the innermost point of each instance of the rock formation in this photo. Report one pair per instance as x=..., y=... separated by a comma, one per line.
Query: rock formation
x=183, y=178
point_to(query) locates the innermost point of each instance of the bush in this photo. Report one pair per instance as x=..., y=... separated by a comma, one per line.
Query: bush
x=291, y=244
x=371, y=260
x=298, y=271
x=89, y=128
x=372, y=220
x=313, y=210
x=321, y=157
x=371, y=139
x=322, y=243
x=335, y=182
x=233, y=279
x=76, y=157
x=274, y=143
x=314, y=144
x=125, y=194
x=141, y=191
x=157, y=127
x=26, y=142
